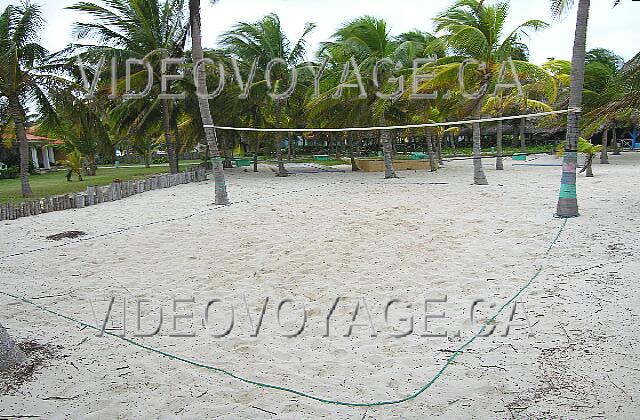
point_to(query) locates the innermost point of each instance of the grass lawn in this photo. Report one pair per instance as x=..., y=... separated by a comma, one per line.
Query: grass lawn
x=55, y=183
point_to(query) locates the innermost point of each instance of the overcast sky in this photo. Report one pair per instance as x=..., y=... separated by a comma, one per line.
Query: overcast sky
x=616, y=29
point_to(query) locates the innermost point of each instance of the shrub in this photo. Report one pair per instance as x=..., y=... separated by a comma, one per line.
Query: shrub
x=11, y=172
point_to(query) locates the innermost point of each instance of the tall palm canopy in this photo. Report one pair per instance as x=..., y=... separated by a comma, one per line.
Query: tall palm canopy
x=25, y=74
x=476, y=30
x=150, y=29
x=197, y=54
x=254, y=45
x=367, y=40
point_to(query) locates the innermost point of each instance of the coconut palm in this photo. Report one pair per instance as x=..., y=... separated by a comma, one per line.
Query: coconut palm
x=540, y=89
x=81, y=124
x=265, y=40
x=74, y=163
x=25, y=74
x=368, y=40
x=221, y=196
x=474, y=30
x=142, y=29
x=617, y=105
x=10, y=354
x=568, y=198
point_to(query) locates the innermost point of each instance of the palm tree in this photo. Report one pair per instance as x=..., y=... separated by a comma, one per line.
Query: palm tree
x=143, y=29
x=368, y=40
x=616, y=106
x=473, y=30
x=25, y=74
x=265, y=40
x=568, y=198
x=74, y=164
x=10, y=353
x=82, y=124
x=222, y=198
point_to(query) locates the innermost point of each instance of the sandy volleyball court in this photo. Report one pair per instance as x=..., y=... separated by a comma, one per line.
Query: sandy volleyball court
x=337, y=247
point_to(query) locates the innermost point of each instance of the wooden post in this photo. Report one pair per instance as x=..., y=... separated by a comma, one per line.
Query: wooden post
x=91, y=196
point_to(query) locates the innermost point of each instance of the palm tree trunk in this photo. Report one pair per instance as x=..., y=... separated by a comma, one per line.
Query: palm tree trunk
x=432, y=160
x=168, y=138
x=523, y=136
x=439, y=145
x=282, y=172
x=147, y=159
x=256, y=153
x=568, y=197
x=352, y=156
x=590, y=166
x=178, y=143
x=289, y=146
x=176, y=136
x=515, y=137
x=614, y=140
x=604, y=154
x=499, y=163
x=258, y=137
x=479, y=178
x=10, y=354
x=92, y=166
x=226, y=143
x=387, y=147
x=295, y=146
x=21, y=133
x=221, y=196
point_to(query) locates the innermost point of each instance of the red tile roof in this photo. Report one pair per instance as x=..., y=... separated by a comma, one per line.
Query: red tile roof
x=33, y=138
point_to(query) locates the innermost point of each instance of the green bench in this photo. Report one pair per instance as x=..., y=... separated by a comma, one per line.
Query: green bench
x=240, y=162
x=519, y=156
x=320, y=158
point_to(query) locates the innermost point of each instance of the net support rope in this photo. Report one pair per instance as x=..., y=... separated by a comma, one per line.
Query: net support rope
x=395, y=127
x=302, y=394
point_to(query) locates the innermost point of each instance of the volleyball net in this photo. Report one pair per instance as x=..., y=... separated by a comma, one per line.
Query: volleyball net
x=397, y=127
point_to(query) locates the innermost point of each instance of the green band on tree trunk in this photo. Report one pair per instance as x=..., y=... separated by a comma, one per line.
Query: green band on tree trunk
x=568, y=191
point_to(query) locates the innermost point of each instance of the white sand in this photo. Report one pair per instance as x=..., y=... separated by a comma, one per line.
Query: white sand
x=316, y=237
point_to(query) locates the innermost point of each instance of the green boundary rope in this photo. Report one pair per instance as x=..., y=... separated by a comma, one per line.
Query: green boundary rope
x=300, y=393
